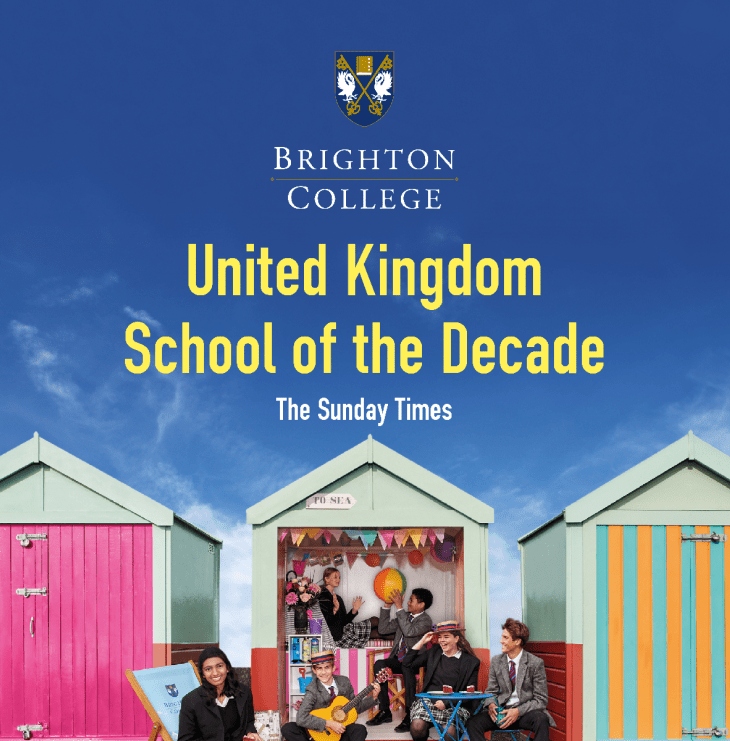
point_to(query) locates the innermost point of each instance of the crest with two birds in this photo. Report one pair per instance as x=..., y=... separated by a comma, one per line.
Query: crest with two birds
x=364, y=85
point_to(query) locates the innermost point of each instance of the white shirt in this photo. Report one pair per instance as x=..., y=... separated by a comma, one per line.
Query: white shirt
x=513, y=699
x=327, y=686
x=222, y=702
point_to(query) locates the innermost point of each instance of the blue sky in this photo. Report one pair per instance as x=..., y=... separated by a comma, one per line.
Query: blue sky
x=592, y=138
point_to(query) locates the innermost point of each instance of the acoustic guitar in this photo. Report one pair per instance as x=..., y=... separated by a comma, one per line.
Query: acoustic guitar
x=343, y=710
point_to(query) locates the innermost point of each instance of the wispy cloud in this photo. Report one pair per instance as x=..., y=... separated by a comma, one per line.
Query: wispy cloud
x=505, y=586
x=236, y=577
x=42, y=361
x=83, y=290
x=140, y=315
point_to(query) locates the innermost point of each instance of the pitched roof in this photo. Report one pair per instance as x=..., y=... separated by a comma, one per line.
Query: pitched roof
x=370, y=452
x=687, y=448
x=37, y=450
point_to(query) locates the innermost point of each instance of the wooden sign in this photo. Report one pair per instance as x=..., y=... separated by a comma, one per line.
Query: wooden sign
x=331, y=501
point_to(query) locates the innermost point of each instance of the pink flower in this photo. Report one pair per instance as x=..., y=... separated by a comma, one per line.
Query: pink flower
x=306, y=597
x=314, y=589
x=290, y=599
x=289, y=586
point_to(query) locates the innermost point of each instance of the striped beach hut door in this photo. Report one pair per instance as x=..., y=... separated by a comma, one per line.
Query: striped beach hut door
x=24, y=635
x=662, y=631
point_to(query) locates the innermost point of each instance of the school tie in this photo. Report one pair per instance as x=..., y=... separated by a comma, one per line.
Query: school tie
x=512, y=672
x=402, y=648
x=331, y=688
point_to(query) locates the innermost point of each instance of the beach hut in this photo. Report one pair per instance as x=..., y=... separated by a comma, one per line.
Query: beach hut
x=95, y=578
x=625, y=595
x=368, y=509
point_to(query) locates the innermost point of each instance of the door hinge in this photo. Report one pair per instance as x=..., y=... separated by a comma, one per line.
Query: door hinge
x=718, y=732
x=705, y=538
x=27, y=731
x=25, y=538
x=25, y=592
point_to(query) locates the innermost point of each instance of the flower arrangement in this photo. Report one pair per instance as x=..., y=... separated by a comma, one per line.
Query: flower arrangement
x=301, y=591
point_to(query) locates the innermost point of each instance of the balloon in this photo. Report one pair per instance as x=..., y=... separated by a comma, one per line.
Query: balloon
x=372, y=559
x=386, y=581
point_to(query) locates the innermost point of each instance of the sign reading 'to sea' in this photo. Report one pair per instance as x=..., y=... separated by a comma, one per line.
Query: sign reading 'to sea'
x=331, y=501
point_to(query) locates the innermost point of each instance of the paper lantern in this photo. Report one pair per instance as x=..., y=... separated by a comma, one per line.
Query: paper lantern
x=415, y=557
x=386, y=581
x=372, y=559
x=444, y=551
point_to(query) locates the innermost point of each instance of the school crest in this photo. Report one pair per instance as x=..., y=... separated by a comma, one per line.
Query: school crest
x=364, y=84
x=172, y=690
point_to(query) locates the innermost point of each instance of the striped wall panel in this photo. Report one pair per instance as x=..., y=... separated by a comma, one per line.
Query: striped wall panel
x=662, y=632
x=94, y=623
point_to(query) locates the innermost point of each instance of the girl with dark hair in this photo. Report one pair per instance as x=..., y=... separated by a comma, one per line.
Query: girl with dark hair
x=345, y=633
x=451, y=661
x=221, y=709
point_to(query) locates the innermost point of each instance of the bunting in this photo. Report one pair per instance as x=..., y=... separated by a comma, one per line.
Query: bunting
x=296, y=535
x=400, y=536
x=386, y=537
x=351, y=558
x=327, y=535
x=313, y=532
x=414, y=534
x=283, y=535
x=336, y=534
x=439, y=532
x=353, y=534
x=424, y=537
x=368, y=537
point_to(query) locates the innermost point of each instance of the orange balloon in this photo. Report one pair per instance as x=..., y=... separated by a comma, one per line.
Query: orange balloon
x=386, y=581
x=372, y=559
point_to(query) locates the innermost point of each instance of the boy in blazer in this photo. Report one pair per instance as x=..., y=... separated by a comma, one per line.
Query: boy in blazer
x=518, y=680
x=408, y=626
x=319, y=694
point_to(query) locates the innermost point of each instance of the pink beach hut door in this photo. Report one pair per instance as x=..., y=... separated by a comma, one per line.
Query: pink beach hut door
x=24, y=684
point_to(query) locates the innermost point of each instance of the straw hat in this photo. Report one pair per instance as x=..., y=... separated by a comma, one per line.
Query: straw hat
x=447, y=626
x=321, y=656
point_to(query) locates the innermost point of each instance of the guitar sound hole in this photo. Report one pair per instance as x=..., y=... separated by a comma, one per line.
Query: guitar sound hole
x=339, y=715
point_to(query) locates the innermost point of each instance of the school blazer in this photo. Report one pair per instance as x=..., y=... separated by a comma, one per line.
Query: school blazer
x=401, y=627
x=530, y=683
x=200, y=719
x=317, y=697
x=468, y=670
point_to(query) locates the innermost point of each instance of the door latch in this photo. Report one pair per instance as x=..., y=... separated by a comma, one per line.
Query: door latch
x=27, y=731
x=25, y=592
x=25, y=538
x=717, y=732
x=705, y=538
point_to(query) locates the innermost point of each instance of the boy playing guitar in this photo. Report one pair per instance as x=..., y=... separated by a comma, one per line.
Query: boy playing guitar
x=329, y=707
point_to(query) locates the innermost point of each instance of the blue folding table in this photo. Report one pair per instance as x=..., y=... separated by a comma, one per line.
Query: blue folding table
x=454, y=719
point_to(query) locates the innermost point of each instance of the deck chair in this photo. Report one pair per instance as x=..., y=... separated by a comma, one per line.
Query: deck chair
x=161, y=691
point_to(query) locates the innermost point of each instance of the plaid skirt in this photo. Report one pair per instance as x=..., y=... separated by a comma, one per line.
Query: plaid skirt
x=355, y=635
x=419, y=712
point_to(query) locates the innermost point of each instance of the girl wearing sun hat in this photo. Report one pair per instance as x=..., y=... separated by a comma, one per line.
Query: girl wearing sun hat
x=451, y=661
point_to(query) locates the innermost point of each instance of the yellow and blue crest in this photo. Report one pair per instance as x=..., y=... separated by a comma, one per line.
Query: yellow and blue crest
x=364, y=84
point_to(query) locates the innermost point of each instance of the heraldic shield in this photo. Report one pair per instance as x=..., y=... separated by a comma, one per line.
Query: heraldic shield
x=364, y=84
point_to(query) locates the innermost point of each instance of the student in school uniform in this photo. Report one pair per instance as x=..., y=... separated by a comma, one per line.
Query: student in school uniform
x=408, y=625
x=451, y=661
x=319, y=694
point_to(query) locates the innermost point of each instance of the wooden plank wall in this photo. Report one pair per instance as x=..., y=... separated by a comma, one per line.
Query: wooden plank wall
x=553, y=653
x=95, y=623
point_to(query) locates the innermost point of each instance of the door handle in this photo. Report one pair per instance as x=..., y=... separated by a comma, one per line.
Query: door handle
x=32, y=634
